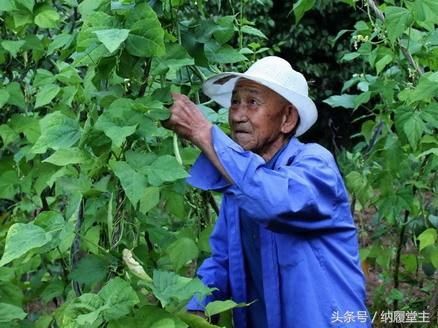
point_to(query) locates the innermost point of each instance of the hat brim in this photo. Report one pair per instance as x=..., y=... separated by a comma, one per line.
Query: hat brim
x=220, y=88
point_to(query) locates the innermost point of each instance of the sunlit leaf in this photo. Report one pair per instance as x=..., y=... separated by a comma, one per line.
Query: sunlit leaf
x=345, y=100
x=90, y=270
x=9, y=312
x=182, y=251
x=253, y=31
x=22, y=238
x=146, y=37
x=301, y=7
x=119, y=298
x=167, y=169
x=46, y=94
x=12, y=46
x=112, y=38
x=64, y=157
x=397, y=20
x=427, y=238
x=47, y=18
x=168, y=286
x=58, y=131
x=149, y=199
x=217, y=307
x=133, y=183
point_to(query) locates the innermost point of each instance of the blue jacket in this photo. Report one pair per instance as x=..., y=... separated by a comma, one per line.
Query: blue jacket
x=310, y=263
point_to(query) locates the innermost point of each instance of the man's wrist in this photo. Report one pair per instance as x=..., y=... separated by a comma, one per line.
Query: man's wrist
x=202, y=137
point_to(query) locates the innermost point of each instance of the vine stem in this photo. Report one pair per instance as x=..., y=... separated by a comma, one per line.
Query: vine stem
x=405, y=51
x=398, y=255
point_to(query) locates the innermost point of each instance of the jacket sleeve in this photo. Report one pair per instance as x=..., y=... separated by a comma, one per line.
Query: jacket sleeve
x=301, y=196
x=213, y=272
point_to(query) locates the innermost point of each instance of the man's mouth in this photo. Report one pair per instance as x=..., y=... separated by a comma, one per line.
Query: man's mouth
x=240, y=131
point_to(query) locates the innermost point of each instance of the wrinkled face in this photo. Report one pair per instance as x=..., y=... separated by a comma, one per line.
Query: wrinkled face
x=259, y=118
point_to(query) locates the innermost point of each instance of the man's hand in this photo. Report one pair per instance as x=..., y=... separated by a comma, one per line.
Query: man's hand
x=188, y=121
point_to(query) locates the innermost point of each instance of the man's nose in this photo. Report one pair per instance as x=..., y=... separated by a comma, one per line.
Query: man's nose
x=238, y=113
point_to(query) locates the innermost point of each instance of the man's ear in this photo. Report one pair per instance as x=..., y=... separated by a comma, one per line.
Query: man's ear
x=290, y=119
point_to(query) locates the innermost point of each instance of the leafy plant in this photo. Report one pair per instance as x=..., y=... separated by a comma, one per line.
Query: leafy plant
x=391, y=171
x=97, y=223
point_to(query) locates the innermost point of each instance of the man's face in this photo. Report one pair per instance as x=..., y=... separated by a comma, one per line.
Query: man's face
x=257, y=118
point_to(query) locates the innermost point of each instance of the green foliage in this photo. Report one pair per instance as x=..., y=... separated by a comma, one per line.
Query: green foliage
x=92, y=194
x=392, y=168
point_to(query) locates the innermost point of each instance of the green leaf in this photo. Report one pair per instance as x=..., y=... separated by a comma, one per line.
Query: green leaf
x=28, y=4
x=59, y=42
x=8, y=184
x=43, y=77
x=350, y=56
x=217, y=307
x=119, y=298
x=115, y=132
x=119, y=121
x=54, y=224
x=345, y=100
x=47, y=18
x=397, y=20
x=182, y=251
x=167, y=169
x=381, y=63
x=91, y=269
x=58, y=131
x=53, y=289
x=427, y=238
x=363, y=98
x=64, y=157
x=88, y=7
x=168, y=287
x=195, y=321
x=90, y=56
x=9, y=312
x=27, y=125
x=91, y=303
x=46, y=94
x=225, y=30
x=413, y=127
x=7, y=134
x=133, y=183
x=358, y=184
x=434, y=257
x=4, y=97
x=22, y=238
x=8, y=5
x=252, y=31
x=16, y=96
x=13, y=47
x=222, y=54
x=409, y=262
x=146, y=37
x=427, y=88
x=51, y=221
x=427, y=152
x=152, y=317
x=149, y=199
x=301, y=7
x=176, y=57
x=112, y=38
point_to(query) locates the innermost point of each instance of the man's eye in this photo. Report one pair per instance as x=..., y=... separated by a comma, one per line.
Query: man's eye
x=234, y=101
x=253, y=102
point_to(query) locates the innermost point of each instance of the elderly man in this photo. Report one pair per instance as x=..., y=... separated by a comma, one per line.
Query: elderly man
x=285, y=239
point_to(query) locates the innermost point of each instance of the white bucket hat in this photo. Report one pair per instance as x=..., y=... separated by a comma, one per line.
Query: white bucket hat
x=276, y=74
